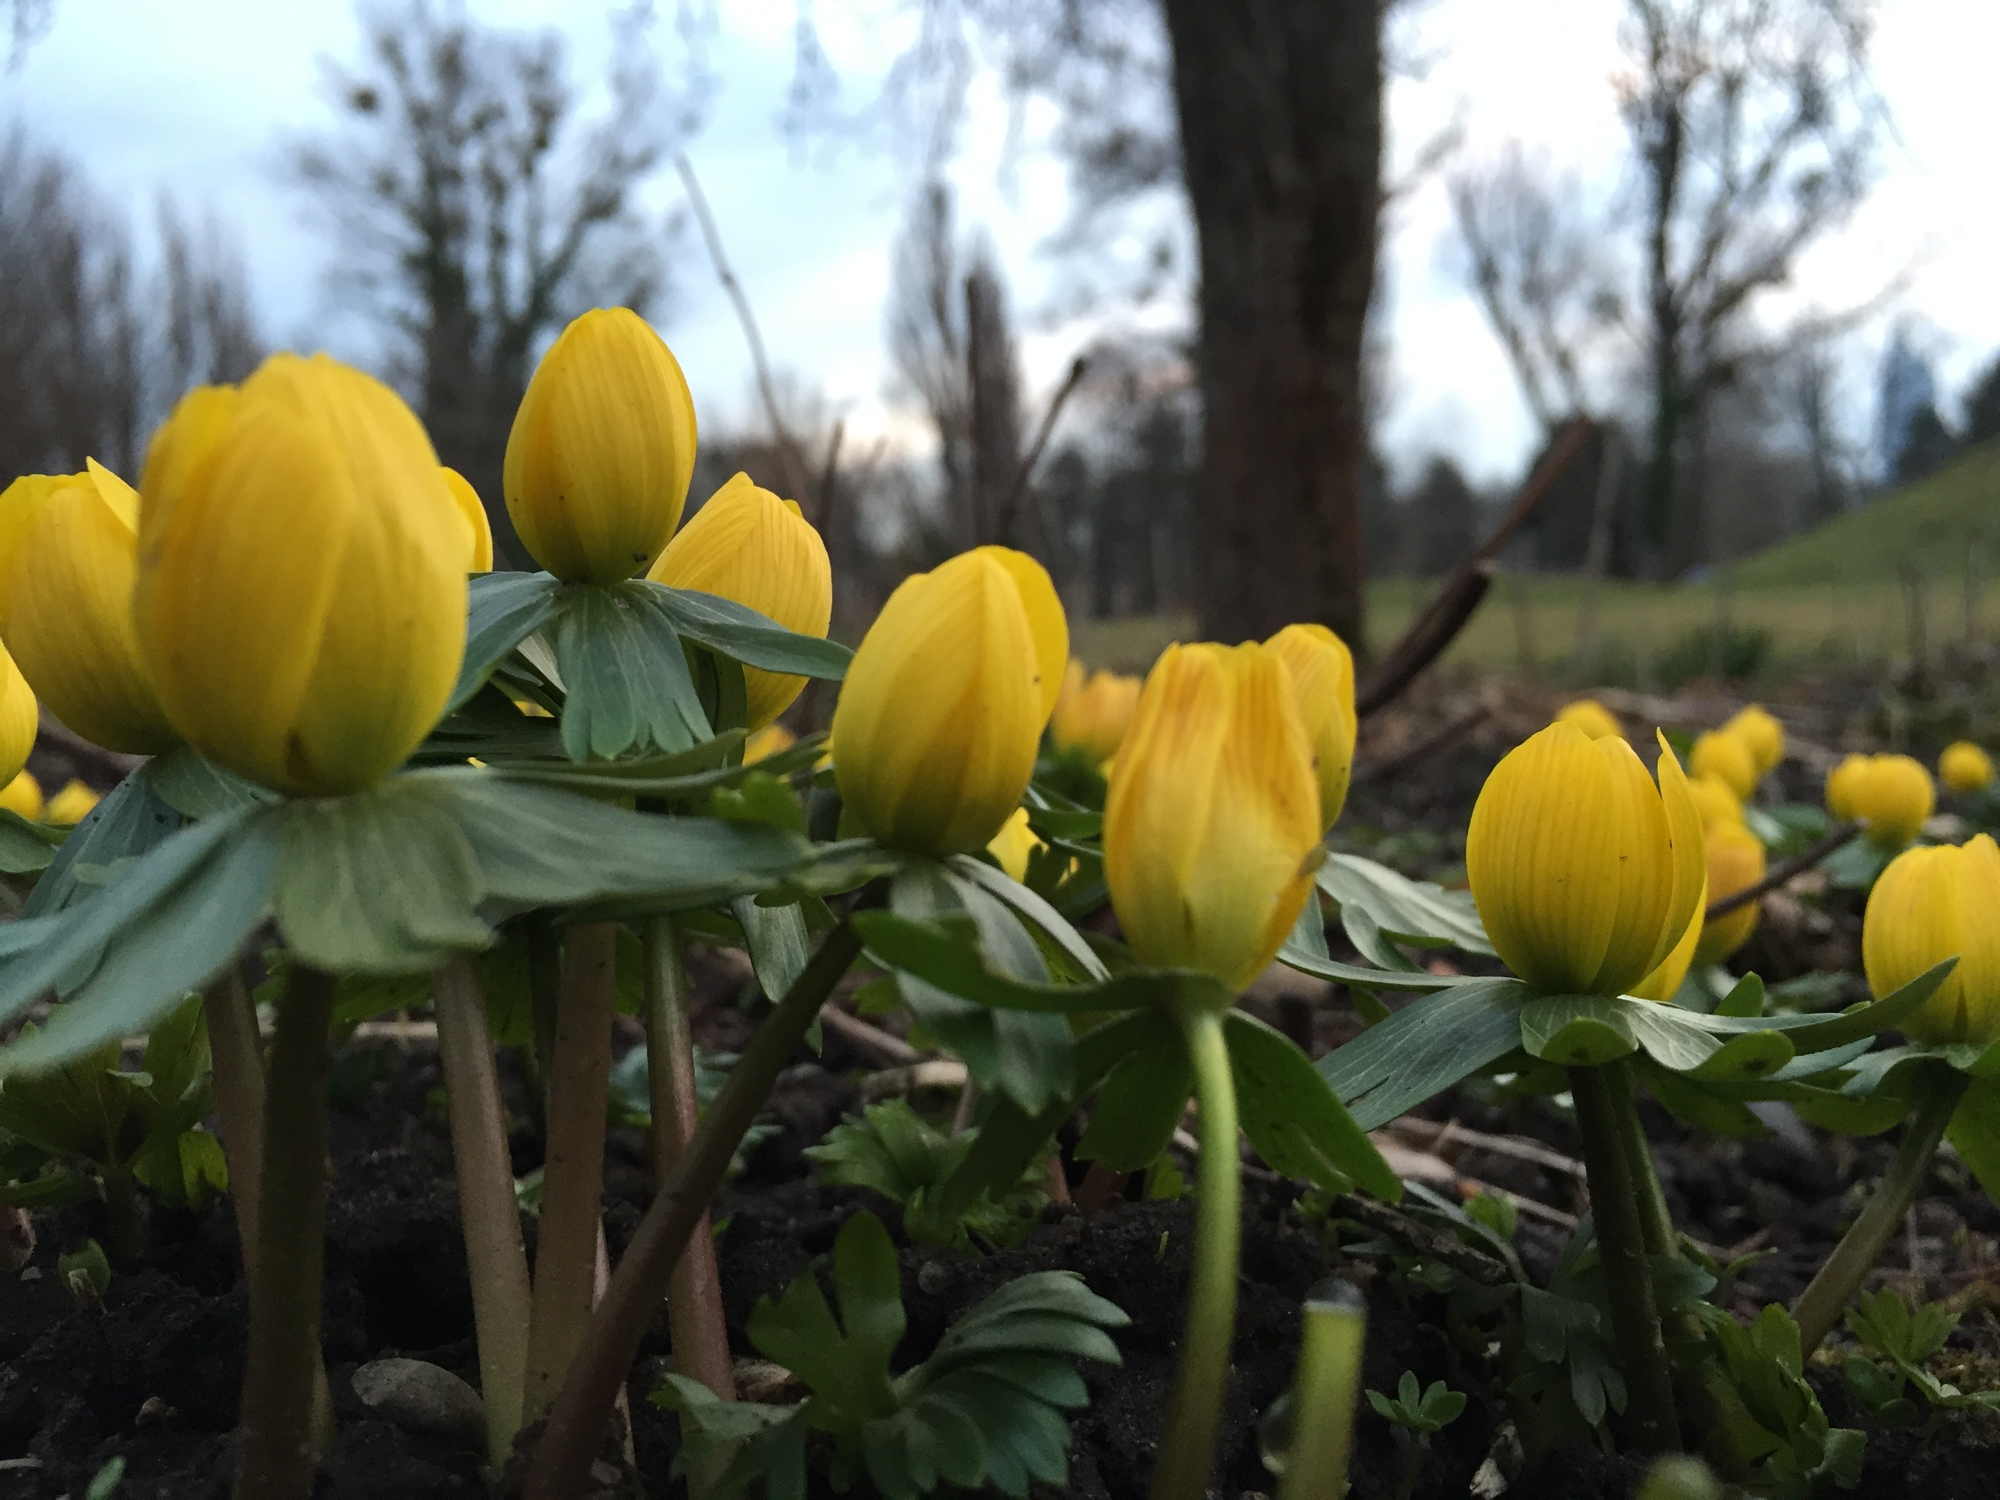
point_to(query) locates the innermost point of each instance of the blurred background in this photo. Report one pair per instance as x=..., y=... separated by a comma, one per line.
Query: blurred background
x=1234, y=314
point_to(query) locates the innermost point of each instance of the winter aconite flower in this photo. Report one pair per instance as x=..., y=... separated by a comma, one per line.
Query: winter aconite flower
x=1965, y=768
x=1592, y=717
x=1714, y=801
x=1212, y=822
x=1892, y=794
x=1843, y=783
x=72, y=804
x=1322, y=671
x=479, y=556
x=943, y=706
x=301, y=592
x=748, y=546
x=1727, y=757
x=1735, y=862
x=1014, y=845
x=68, y=553
x=1761, y=734
x=1586, y=875
x=22, y=796
x=1094, y=712
x=1932, y=904
x=601, y=451
x=1665, y=980
x=772, y=739
x=20, y=718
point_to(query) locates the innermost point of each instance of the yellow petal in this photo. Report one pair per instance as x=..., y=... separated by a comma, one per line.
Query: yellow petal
x=1322, y=672
x=1895, y=797
x=1591, y=717
x=72, y=804
x=771, y=740
x=1047, y=625
x=1714, y=801
x=1931, y=904
x=1965, y=768
x=20, y=719
x=1014, y=845
x=1735, y=861
x=22, y=796
x=1665, y=982
x=479, y=553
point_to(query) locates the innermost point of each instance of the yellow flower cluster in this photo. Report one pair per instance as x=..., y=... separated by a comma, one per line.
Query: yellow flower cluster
x=1892, y=795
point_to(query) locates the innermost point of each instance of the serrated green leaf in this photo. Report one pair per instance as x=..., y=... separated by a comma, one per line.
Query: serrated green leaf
x=504, y=609
x=1425, y=1048
x=625, y=673
x=1294, y=1119
x=745, y=636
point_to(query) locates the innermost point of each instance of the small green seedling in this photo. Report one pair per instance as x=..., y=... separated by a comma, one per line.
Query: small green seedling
x=897, y=1153
x=85, y=1273
x=104, y=1483
x=1779, y=1430
x=1415, y=1413
x=1906, y=1338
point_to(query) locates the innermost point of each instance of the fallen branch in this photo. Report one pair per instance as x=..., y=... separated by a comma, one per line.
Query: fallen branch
x=1017, y=489
x=1783, y=871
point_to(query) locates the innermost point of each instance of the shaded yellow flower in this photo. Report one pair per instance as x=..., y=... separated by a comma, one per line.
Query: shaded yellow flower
x=68, y=554
x=301, y=591
x=942, y=709
x=1714, y=801
x=1736, y=861
x=1592, y=717
x=20, y=718
x=22, y=796
x=1093, y=712
x=1893, y=795
x=479, y=556
x=1726, y=756
x=602, y=449
x=1322, y=670
x=748, y=546
x=1211, y=825
x=1931, y=904
x=1761, y=733
x=1665, y=981
x=1843, y=784
x=1964, y=767
x=72, y=804
x=772, y=739
x=1015, y=844
x=1586, y=876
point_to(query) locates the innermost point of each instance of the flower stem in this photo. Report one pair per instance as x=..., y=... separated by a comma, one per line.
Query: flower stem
x=1603, y=1108
x=495, y=1261
x=1325, y=1394
x=1819, y=1307
x=1187, y=1453
x=278, y=1452
x=576, y=1422
x=236, y=1062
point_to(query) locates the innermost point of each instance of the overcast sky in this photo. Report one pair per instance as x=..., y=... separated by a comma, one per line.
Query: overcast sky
x=196, y=96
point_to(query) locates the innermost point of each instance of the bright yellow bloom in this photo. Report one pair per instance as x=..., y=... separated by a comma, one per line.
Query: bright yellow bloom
x=1714, y=801
x=20, y=717
x=22, y=796
x=1725, y=755
x=1592, y=717
x=1761, y=733
x=1586, y=877
x=935, y=733
x=1015, y=844
x=1735, y=863
x=772, y=739
x=301, y=591
x=1892, y=794
x=1964, y=767
x=466, y=498
x=602, y=449
x=748, y=546
x=1093, y=712
x=1843, y=784
x=1931, y=904
x=72, y=804
x=68, y=552
x=1322, y=671
x=1665, y=981
x=1212, y=822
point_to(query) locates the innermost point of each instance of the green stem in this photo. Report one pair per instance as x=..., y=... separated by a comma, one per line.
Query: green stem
x=495, y=1262
x=1656, y=1223
x=1821, y=1304
x=573, y=1167
x=236, y=1062
x=1187, y=1452
x=1616, y=1210
x=562, y=1460
x=1324, y=1396
x=278, y=1453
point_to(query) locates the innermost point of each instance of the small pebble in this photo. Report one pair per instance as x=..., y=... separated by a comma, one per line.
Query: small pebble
x=423, y=1398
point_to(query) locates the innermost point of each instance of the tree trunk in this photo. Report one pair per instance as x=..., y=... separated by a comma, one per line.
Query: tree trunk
x=1280, y=110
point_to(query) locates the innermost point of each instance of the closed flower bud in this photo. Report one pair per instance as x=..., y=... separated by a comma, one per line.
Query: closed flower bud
x=602, y=449
x=479, y=554
x=1893, y=795
x=1714, y=801
x=1586, y=876
x=1932, y=904
x=1723, y=754
x=20, y=718
x=301, y=592
x=1761, y=734
x=748, y=546
x=1322, y=671
x=68, y=553
x=1014, y=845
x=1965, y=768
x=1094, y=712
x=1592, y=717
x=22, y=796
x=1665, y=981
x=72, y=804
x=1735, y=862
x=1843, y=784
x=1211, y=825
x=943, y=706
x=771, y=740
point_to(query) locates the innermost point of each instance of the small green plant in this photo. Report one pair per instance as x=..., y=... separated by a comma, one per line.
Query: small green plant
x=899, y=1154
x=1415, y=1413
x=104, y=1483
x=986, y=1410
x=1717, y=649
x=1777, y=1425
x=85, y=1273
x=1905, y=1339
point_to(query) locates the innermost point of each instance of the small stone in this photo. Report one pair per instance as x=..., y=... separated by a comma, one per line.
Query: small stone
x=423, y=1398
x=153, y=1412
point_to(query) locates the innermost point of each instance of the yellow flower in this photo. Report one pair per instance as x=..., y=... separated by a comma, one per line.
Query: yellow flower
x=602, y=449
x=1843, y=784
x=934, y=736
x=1665, y=981
x=1585, y=876
x=22, y=796
x=1714, y=801
x=748, y=546
x=1932, y=904
x=301, y=592
x=1964, y=767
x=1094, y=712
x=1322, y=671
x=72, y=804
x=1725, y=755
x=1761, y=733
x=466, y=498
x=1015, y=844
x=68, y=552
x=1592, y=717
x=1892, y=794
x=772, y=739
x=1735, y=863
x=20, y=718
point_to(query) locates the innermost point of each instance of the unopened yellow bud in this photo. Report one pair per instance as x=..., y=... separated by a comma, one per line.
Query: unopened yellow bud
x=20, y=718
x=22, y=796
x=72, y=804
x=1322, y=671
x=1761, y=733
x=1735, y=862
x=1591, y=717
x=1725, y=755
x=1931, y=904
x=1714, y=801
x=1094, y=712
x=1965, y=768
x=1665, y=981
x=1892, y=794
x=479, y=549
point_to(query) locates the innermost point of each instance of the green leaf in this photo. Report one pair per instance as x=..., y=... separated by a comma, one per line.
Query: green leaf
x=1293, y=1117
x=1414, y=911
x=868, y=1282
x=129, y=820
x=1032, y=909
x=1578, y=1030
x=1141, y=1100
x=1974, y=1133
x=504, y=610
x=744, y=635
x=1363, y=977
x=625, y=674
x=776, y=939
x=1425, y=1048
x=25, y=847
x=197, y=787
x=1758, y=1055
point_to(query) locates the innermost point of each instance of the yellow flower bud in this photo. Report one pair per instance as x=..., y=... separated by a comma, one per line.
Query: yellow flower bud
x=1714, y=801
x=1761, y=734
x=1094, y=712
x=1585, y=876
x=68, y=546
x=1592, y=717
x=1665, y=981
x=301, y=592
x=20, y=717
x=72, y=804
x=22, y=796
x=748, y=546
x=935, y=733
x=1931, y=904
x=466, y=498
x=1724, y=755
x=1322, y=671
x=1965, y=768
x=1735, y=862
x=772, y=739
x=1211, y=825
x=602, y=449
x=1015, y=844
x=1843, y=783
x=1892, y=794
